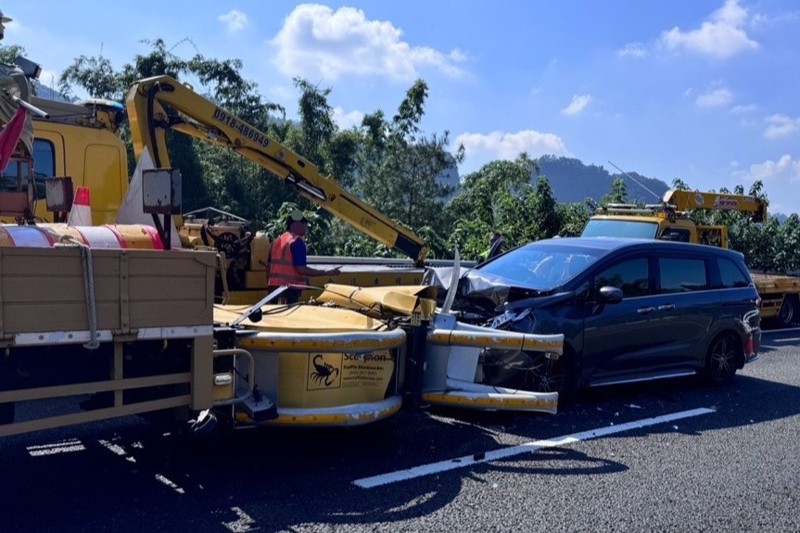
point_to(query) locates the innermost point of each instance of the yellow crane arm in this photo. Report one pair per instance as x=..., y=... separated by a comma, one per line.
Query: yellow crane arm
x=687, y=200
x=147, y=104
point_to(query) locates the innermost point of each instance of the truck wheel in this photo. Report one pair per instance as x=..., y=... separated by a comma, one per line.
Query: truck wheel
x=722, y=360
x=787, y=314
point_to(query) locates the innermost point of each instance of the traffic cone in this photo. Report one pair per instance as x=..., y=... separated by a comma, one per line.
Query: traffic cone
x=81, y=212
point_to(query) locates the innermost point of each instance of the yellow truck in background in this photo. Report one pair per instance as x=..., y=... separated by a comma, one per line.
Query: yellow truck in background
x=669, y=220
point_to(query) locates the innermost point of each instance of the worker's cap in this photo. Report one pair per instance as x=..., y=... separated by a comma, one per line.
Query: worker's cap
x=296, y=216
x=4, y=18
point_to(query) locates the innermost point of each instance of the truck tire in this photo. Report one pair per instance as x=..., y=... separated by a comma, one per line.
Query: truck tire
x=788, y=313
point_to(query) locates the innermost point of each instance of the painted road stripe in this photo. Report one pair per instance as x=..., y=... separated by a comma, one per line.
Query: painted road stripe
x=495, y=455
x=65, y=446
x=244, y=524
x=166, y=481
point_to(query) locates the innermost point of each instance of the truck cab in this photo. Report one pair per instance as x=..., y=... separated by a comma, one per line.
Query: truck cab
x=80, y=141
x=652, y=222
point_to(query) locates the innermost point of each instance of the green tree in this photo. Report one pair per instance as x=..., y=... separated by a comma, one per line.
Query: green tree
x=8, y=53
x=211, y=175
x=574, y=217
x=487, y=201
x=402, y=168
x=618, y=193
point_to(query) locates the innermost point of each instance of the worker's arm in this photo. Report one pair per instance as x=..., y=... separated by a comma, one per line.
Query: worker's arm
x=300, y=262
x=311, y=272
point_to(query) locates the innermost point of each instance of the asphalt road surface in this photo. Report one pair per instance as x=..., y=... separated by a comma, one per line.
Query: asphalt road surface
x=672, y=456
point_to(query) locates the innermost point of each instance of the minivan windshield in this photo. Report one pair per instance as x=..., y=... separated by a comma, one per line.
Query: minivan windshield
x=637, y=229
x=542, y=266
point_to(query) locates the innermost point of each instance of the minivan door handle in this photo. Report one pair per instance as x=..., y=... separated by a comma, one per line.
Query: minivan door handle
x=645, y=310
x=666, y=307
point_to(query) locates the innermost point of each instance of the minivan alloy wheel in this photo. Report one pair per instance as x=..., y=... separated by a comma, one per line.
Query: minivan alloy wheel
x=722, y=359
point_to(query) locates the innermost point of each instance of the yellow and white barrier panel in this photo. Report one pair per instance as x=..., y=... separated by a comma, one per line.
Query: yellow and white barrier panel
x=454, y=373
x=322, y=366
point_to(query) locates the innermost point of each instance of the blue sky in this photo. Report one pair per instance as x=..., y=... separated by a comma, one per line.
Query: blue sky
x=701, y=90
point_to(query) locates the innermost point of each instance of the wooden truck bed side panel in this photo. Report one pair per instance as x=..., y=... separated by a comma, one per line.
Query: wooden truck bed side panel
x=772, y=283
x=42, y=289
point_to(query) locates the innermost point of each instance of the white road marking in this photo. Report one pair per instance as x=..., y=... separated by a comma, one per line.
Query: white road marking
x=66, y=446
x=243, y=524
x=783, y=330
x=495, y=455
x=116, y=449
x=170, y=484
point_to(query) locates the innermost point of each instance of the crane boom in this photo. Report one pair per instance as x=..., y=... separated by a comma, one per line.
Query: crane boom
x=686, y=200
x=148, y=103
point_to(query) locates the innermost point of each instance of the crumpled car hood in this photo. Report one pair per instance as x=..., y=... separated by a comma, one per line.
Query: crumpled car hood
x=491, y=291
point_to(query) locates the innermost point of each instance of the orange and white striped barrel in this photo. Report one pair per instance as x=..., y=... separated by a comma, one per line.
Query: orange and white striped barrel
x=111, y=236
x=25, y=237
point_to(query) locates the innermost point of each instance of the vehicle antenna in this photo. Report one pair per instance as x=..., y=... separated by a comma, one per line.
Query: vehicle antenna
x=634, y=180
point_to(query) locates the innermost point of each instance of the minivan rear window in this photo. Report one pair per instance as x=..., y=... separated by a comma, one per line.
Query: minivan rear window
x=731, y=276
x=679, y=274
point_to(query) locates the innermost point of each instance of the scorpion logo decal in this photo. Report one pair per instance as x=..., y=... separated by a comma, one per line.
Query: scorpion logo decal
x=324, y=372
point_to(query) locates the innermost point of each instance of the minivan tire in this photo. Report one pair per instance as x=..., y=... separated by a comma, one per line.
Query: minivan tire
x=723, y=358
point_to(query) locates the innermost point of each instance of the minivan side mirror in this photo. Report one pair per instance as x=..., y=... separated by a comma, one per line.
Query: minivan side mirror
x=609, y=295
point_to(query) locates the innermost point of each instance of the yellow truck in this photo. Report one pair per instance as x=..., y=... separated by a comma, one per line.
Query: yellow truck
x=669, y=219
x=105, y=321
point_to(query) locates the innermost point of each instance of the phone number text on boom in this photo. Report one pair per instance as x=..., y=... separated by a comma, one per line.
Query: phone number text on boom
x=243, y=129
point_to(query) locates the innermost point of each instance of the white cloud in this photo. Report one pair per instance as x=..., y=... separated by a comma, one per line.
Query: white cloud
x=234, y=20
x=347, y=120
x=502, y=145
x=636, y=50
x=785, y=169
x=743, y=109
x=780, y=179
x=716, y=98
x=317, y=41
x=577, y=105
x=722, y=36
x=780, y=126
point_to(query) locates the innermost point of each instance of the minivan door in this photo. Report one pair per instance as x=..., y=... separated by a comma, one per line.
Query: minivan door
x=685, y=305
x=620, y=339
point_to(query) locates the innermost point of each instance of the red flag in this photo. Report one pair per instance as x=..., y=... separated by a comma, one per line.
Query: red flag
x=9, y=136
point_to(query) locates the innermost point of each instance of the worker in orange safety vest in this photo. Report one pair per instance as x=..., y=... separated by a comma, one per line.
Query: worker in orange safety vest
x=288, y=263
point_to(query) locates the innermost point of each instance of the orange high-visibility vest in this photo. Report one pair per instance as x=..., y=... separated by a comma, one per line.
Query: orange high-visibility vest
x=281, y=267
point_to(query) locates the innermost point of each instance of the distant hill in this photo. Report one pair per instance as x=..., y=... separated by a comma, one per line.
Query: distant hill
x=572, y=181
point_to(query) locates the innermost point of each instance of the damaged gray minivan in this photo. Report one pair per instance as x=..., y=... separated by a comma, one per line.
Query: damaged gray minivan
x=630, y=310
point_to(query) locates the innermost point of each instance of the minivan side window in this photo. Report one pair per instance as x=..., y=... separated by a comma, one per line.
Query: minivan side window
x=682, y=274
x=731, y=275
x=631, y=276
